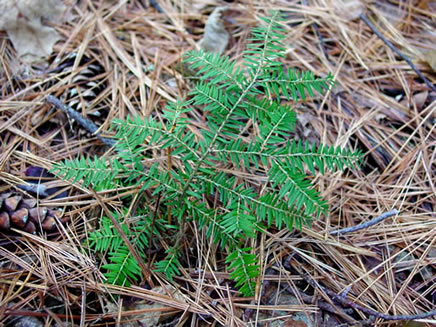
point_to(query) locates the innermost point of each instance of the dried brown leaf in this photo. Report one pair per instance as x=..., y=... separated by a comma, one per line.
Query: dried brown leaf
x=22, y=19
x=150, y=312
x=294, y=323
x=215, y=37
x=430, y=58
x=348, y=9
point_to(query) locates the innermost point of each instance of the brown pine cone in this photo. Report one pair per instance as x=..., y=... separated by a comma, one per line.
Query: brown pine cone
x=24, y=214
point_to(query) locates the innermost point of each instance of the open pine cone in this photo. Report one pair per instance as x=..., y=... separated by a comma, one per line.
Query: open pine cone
x=26, y=215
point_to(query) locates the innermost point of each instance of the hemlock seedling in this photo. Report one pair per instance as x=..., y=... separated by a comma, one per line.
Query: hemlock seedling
x=197, y=184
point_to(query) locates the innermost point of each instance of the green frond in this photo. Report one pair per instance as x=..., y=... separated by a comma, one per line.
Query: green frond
x=240, y=153
x=141, y=228
x=224, y=187
x=244, y=270
x=271, y=208
x=106, y=238
x=182, y=143
x=276, y=128
x=174, y=112
x=268, y=208
x=217, y=70
x=238, y=220
x=218, y=105
x=260, y=109
x=98, y=172
x=123, y=267
x=295, y=154
x=194, y=179
x=298, y=190
x=136, y=134
x=137, y=131
x=159, y=181
x=211, y=220
x=266, y=44
x=294, y=84
x=298, y=156
x=214, y=99
x=170, y=265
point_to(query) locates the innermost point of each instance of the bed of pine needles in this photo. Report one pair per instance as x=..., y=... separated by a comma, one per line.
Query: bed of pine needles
x=379, y=106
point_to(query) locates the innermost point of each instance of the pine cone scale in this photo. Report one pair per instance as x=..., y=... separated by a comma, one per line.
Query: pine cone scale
x=4, y=221
x=11, y=203
x=20, y=217
x=38, y=214
x=26, y=215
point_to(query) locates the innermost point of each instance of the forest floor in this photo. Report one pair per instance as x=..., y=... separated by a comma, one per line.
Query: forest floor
x=131, y=50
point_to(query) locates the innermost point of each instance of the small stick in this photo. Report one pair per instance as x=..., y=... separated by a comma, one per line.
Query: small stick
x=145, y=269
x=318, y=33
x=366, y=224
x=344, y=301
x=321, y=41
x=82, y=121
x=39, y=189
x=321, y=304
x=150, y=237
x=156, y=6
x=398, y=52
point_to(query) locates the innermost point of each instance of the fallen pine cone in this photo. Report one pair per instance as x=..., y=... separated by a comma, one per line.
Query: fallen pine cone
x=26, y=215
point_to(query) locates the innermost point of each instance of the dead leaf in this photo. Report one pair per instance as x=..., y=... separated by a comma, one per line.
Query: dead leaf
x=294, y=323
x=199, y=5
x=305, y=129
x=215, y=37
x=22, y=20
x=392, y=13
x=348, y=9
x=420, y=99
x=151, y=315
x=379, y=117
x=430, y=58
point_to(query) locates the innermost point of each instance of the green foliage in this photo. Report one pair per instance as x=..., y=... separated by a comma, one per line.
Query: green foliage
x=202, y=183
x=170, y=265
x=245, y=270
x=122, y=266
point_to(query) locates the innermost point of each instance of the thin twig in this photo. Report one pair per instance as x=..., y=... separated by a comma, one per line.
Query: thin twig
x=156, y=6
x=82, y=121
x=344, y=301
x=321, y=304
x=318, y=33
x=40, y=190
x=145, y=270
x=150, y=237
x=366, y=224
x=398, y=52
x=321, y=41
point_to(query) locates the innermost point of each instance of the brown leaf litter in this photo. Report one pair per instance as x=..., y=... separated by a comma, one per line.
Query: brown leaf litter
x=23, y=20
